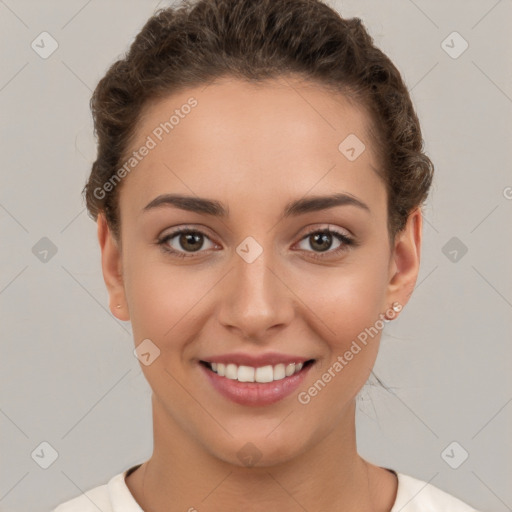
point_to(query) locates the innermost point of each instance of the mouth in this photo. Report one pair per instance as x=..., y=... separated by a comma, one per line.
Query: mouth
x=261, y=374
x=256, y=385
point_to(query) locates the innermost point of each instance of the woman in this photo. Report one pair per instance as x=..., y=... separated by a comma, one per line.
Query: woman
x=258, y=191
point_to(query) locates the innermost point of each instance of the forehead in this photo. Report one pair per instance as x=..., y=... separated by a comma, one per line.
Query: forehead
x=280, y=137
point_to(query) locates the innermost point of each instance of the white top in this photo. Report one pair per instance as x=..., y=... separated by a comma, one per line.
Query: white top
x=412, y=496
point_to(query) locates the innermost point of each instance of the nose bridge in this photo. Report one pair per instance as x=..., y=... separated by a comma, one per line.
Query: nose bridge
x=255, y=299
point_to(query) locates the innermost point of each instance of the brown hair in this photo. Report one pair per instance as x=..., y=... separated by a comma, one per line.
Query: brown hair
x=202, y=40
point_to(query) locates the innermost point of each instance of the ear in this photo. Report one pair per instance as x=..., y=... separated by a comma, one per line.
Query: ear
x=405, y=260
x=111, y=264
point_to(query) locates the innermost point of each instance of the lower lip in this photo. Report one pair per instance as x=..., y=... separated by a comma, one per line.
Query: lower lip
x=255, y=393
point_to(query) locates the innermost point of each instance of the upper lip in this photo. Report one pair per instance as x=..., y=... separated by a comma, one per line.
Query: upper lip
x=241, y=359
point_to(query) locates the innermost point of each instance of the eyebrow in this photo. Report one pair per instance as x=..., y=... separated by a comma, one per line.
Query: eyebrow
x=215, y=208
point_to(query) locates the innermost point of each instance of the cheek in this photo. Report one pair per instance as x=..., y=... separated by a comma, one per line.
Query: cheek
x=347, y=316
x=164, y=299
x=346, y=299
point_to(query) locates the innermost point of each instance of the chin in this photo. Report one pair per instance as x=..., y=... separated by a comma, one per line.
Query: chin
x=258, y=449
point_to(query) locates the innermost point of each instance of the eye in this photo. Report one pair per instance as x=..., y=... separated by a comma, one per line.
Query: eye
x=321, y=240
x=184, y=241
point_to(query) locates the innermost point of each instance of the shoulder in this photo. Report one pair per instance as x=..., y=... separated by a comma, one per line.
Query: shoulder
x=90, y=501
x=113, y=496
x=415, y=495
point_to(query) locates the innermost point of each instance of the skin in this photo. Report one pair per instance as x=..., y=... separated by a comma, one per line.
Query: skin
x=255, y=148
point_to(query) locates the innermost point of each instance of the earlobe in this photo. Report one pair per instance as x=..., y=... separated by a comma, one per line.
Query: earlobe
x=111, y=264
x=406, y=260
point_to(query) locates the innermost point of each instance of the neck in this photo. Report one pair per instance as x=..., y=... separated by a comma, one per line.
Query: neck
x=183, y=475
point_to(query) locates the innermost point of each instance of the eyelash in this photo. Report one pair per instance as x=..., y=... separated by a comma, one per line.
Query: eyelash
x=346, y=242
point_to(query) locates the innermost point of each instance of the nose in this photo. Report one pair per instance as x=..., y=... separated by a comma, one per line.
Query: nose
x=256, y=300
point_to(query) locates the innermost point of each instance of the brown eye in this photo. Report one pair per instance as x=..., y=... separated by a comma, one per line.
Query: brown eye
x=191, y=241
x=183, y=242
x=321, y=240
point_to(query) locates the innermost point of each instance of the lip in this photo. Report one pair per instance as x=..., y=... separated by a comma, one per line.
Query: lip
x=244, y=359
x=255, y=393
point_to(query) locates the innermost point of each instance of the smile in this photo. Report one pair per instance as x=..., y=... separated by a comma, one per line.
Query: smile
x=255, y=385
x=261, y=374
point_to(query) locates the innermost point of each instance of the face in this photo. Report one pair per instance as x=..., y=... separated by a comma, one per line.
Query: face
x=265, y=276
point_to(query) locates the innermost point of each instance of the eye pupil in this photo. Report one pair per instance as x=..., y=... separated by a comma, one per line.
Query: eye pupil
x=324, y=238
x=187, y=238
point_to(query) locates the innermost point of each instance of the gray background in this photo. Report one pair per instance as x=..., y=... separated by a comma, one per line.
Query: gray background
x=68, y=374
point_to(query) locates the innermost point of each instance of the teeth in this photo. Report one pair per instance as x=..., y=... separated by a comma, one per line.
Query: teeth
x=231, y=371
x=290, y=369
x=245, y=374
x=279, y=372
x=262, y=374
